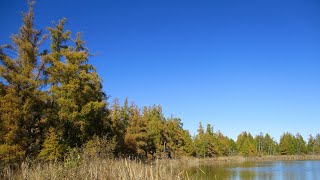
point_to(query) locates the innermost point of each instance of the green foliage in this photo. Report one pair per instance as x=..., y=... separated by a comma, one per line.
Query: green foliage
x=52, y=148
x=265, y=145
x=119, y=123
x=100, y=147
x=212, y=144
x=78, y=107
x=177, y=139
x=300, y=145
x=149, y=133
x=136, y=133
x=286, y=145
x=313, y=146
x=42, y=122
x=270, y=145
x=246, y=145
x=155, y=127
x=290, y=145
x=72, y=158
x=22, y=101
x=11, y=153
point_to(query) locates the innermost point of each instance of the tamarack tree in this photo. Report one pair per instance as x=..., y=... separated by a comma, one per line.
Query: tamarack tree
x=22, y=100
x=50, y=100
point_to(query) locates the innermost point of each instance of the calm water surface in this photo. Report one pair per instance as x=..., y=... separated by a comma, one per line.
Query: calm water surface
x=258, y=170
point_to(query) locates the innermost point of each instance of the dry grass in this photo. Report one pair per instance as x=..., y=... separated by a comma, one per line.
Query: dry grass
x=97, y=169
x=77, y=167
x=237, y=159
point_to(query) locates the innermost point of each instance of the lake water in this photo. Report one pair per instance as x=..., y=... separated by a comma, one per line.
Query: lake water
x=279, y=170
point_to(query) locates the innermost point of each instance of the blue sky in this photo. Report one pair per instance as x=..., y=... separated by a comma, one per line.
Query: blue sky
x=239, y=65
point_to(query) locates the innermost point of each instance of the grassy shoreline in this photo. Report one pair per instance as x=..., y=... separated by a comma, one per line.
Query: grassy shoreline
x=96, y=168
x=284, y=158
x=239, y=159
x=101, y=168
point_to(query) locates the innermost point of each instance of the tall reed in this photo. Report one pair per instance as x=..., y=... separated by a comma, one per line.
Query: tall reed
x=96, y=168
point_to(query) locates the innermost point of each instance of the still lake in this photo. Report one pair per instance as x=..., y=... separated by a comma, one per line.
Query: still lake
x=279, y=170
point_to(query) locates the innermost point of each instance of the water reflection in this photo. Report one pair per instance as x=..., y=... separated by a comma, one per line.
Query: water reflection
x=281, y=170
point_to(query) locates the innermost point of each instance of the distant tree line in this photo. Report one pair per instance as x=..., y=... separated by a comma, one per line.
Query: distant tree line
x=210, y=144
x=51, y=102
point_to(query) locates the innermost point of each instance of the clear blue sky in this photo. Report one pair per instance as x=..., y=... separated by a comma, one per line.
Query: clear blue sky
x=239, y=65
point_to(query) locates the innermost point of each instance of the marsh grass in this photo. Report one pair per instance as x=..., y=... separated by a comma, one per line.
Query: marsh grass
x=97, y=168
x=95, y=161
x=77, y=166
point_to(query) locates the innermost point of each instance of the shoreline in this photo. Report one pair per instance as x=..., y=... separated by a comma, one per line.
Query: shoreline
x=104, y=168
x=284, y=158
x=240, y=159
